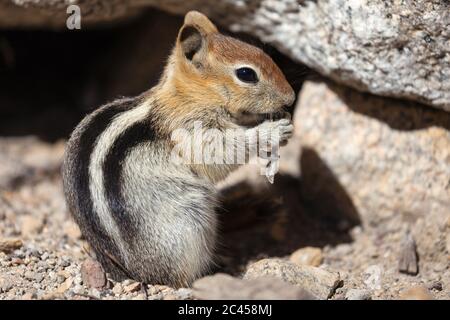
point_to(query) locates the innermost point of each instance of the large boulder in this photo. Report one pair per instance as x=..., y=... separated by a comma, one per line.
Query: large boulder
x=389, y=48
x=391, y=157
x=386, y=161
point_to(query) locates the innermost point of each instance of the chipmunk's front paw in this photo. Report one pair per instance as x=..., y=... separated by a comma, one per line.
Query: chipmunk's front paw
x=272, y=135
x=276, y=132
x=286, y=129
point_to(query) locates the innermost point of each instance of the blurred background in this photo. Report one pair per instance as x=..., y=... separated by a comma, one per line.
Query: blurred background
x=363, y=191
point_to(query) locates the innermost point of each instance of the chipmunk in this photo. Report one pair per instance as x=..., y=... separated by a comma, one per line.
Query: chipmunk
x=144, y=216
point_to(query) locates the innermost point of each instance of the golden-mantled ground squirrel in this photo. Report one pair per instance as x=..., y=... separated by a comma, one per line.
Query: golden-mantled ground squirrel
x=145, y=216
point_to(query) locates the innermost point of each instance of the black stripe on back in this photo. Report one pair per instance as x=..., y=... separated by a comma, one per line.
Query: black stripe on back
x=86, y=217
x=136, y=134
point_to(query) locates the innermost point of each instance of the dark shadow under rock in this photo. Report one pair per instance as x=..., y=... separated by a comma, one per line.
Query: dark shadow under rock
x=398, y=114
x=275, y=220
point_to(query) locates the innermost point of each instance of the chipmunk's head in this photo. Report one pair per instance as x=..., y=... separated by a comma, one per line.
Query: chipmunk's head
x=226, y=72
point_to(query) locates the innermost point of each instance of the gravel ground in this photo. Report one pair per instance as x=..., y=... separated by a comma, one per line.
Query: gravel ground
x=43, y=255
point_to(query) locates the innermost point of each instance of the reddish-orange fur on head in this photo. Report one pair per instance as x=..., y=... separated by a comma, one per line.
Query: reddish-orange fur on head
x=233, y=51
x=200, y=78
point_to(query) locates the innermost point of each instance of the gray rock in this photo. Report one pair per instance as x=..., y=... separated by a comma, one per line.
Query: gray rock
x=93, y=274
x=39, y=277
x=393, y=49
x=357, y=294
x=408, y=260
x=319, y=282
x=373, y=157
x=6, y=284
x=184, y=294
x=95, y=293
x=132, y=287
x=78, y=289
x=117, y=289
x=436, y=285
x=60, y=279
x=309, y=256
x=29, y=275
x=225, y=287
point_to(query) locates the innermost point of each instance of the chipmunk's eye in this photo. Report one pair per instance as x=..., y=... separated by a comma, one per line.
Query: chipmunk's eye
x=246, y=74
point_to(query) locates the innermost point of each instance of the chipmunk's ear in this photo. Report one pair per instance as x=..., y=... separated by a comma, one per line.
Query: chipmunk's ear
x=192, y=36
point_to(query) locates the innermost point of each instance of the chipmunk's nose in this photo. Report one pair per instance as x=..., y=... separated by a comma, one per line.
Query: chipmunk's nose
x=289, y=98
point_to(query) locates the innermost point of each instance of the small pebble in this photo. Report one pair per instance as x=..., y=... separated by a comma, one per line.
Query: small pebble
x=308, y=256
x=416, y=293
x=133, y=287
x=437, y=285
x=95, y=293
x=117, y=289
x=408, y=259
x=64, y=286
x=6, y=284
x=64, y=263
x=357, y=294
x=184, y=294
x=92, y=274
x=29, y=275
x=78, y=289
x=60, y=279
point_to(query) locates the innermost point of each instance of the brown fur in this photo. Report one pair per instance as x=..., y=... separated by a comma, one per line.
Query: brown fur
x=231, y=50
x=206, y=88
